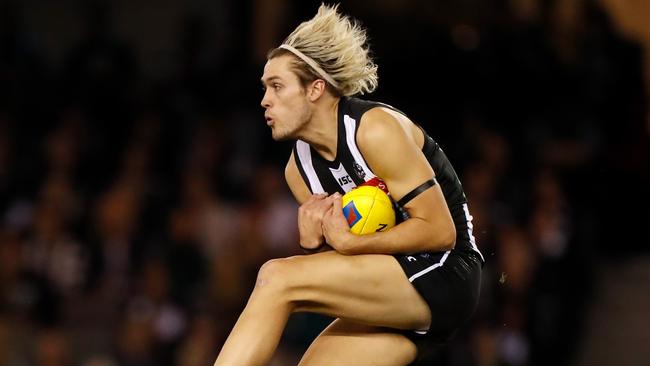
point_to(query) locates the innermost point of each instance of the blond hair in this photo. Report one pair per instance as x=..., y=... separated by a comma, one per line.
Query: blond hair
x=337, y=45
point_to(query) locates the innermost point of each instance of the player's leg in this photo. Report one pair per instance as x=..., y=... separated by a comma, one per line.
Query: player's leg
x=348, y=343
x=368, y=289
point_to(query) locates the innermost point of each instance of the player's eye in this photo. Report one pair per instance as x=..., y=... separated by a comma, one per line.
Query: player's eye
x=277, y=86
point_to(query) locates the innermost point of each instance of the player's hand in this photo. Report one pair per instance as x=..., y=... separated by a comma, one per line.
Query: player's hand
x=310, y=217
x=335, y=227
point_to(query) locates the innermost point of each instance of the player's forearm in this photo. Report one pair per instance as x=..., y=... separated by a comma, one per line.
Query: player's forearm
x=411, y=236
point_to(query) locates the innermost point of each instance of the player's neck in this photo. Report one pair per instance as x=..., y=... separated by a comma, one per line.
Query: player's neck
x=322, y=130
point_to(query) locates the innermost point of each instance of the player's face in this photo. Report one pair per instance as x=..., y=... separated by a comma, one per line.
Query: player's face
x=286, y=105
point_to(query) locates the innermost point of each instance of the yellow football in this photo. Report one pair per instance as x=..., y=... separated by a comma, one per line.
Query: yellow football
x=368, y=209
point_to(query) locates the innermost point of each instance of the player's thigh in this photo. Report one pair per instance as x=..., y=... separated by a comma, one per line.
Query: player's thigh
x=370, y=289
x=348, y=343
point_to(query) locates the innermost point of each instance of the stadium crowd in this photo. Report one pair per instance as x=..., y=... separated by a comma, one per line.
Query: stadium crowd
x=138, y=199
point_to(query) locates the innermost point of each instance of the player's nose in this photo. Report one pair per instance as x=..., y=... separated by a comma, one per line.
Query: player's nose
x=265, y=103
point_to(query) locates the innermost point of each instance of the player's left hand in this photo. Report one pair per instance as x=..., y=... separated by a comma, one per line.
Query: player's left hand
x=335, y=227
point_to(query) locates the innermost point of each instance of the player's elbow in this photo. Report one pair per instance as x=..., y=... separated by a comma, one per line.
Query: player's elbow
x=449, y=238
x=444, y=238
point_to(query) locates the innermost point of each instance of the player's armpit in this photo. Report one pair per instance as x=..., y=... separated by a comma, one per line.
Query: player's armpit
x=295, y=182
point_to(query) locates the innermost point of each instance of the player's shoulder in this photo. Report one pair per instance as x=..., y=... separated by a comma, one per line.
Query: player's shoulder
x=359, y=107
x=379, y=124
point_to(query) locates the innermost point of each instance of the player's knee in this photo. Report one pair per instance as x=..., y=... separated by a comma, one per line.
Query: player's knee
x=273, y=275
x=407, y=350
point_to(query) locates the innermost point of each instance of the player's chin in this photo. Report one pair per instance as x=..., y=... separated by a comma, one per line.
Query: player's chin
x=279, y=135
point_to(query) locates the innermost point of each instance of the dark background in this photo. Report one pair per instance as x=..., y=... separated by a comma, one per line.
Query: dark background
x=140, y=189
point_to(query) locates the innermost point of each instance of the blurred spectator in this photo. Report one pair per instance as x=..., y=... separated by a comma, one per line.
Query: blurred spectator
x=50, y=251
x=53, y=349
x=270, y=221
x=198, y=347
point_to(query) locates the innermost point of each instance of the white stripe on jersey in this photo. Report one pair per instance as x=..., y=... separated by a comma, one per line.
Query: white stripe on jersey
x=304, y=155
x=470, y=229
x=431, y=268
x=350, y=137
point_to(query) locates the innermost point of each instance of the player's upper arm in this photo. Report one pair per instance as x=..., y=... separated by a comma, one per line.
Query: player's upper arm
x=391, y=152
x=295, y=182
x=386, y=142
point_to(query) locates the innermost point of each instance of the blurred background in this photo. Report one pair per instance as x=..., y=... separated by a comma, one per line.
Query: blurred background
x=140, y=189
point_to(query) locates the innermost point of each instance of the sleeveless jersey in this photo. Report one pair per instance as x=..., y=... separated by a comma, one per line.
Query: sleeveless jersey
x=349, y=169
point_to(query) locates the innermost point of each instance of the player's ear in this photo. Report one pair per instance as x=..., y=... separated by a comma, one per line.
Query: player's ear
x=316, y=89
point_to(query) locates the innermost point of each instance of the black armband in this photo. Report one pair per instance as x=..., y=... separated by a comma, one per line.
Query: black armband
x=416, y=191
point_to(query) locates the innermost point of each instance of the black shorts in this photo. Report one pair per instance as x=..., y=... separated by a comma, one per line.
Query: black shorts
x=449, y=282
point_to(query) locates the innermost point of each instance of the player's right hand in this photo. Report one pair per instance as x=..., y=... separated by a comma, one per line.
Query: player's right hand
x=310, y=218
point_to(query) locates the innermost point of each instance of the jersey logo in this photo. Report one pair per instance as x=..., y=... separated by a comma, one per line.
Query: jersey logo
x=359, y=170
x=343, y=178
x=351, y=214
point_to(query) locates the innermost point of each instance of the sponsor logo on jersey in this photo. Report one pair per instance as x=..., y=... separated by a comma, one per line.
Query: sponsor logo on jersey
x=343, y=178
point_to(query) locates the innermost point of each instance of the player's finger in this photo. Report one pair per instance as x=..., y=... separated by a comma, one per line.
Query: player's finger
x=319, y=196
x=325, y=205
x=331, y=197
x=316, y=197
x=336, y=203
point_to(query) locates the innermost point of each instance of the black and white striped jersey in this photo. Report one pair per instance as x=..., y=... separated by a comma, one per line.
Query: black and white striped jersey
x=349, y=169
